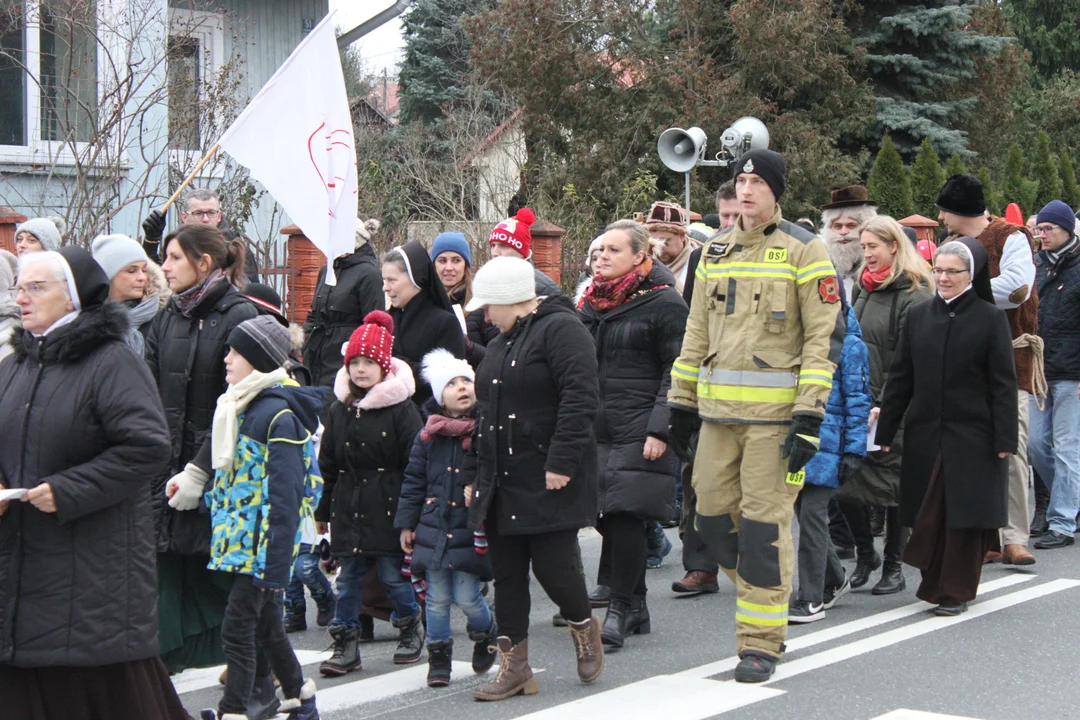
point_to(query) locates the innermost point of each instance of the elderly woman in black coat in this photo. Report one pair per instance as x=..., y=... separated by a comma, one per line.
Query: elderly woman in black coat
x=953, y=384
x=82, y=429
x=532, y=470
x=637, y=319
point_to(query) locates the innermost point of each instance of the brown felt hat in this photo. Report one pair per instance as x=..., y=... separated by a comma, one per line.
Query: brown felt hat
x=851, y=196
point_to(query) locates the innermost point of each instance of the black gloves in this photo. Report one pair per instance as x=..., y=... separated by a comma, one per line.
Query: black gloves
x=683, y=433
x=154, y=226
x=802, y=442
x=850, y=466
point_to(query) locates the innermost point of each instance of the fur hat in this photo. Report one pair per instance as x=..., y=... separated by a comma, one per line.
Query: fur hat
x=440, y=367
x=365, y=230
x=45, y=230
x=373, y=340
x=962, y=195
x=515, y=233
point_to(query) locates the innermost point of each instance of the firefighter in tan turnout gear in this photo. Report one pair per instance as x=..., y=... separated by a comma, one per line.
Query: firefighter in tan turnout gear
x=761, y=345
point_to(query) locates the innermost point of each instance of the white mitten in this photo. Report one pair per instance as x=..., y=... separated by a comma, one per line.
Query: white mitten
x=186, y=487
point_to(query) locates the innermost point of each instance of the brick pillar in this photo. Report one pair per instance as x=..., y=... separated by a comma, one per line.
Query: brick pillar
x=8, y=220
x=547, y=249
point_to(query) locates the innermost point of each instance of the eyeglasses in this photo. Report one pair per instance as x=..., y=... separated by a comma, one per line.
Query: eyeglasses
x=203, y=214
x=33, y=289
x=939, y=272
x=1044, y=229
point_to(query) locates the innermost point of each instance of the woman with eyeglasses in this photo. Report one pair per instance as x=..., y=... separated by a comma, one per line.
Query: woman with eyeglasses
x=953, y=380
x=892, y=280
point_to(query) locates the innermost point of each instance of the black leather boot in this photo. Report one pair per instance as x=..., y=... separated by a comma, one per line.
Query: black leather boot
x=892, y=576
x=638, y=621
x=866, y=564
x=614, y=631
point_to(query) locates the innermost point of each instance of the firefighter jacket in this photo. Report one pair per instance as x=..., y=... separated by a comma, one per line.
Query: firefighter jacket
x=765, y=329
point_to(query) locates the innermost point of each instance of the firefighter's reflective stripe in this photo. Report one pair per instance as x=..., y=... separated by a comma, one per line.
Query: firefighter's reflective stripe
x=747, y=377
x=764, y=615
x=813, y=271
x=780, y=271
x=808, y=376
x=682, y=371
x=745, y=394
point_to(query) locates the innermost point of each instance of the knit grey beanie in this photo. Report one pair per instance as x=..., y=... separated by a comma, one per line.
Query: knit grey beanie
x=44, y=230
x=115, y=252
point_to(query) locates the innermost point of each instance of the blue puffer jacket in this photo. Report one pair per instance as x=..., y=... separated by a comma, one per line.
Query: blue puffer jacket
x=257, y=504
x=845, y=426
x=432, y=503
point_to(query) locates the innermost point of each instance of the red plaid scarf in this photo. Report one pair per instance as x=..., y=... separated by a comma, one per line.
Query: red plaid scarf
x=604, y=295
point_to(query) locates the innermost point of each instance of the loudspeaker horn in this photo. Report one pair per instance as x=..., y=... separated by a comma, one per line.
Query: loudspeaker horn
x=680, y=149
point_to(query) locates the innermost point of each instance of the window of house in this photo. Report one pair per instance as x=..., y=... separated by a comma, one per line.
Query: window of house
x=12, y=84
x=196, y=52
x=184, y=68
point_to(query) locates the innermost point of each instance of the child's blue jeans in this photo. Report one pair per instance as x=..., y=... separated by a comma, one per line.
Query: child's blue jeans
x=350, y=588
x=451, y=587
x=306, y=572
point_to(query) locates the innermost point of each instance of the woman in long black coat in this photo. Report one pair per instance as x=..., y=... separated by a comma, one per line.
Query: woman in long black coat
x=423, y=318
x=637, y=319
x=954, y=378
x=533, y=465
x=82, y=428
x=337, y=310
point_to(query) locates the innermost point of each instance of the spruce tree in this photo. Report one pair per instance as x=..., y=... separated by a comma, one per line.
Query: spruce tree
x=1070, y=192
x=1045, y=171
x=917, y=51
x=991, y=196
x=955, y=166
x=436, y=66
x=927, y=177
x=1017, y=187
x=888, y=182
x=1049, y=30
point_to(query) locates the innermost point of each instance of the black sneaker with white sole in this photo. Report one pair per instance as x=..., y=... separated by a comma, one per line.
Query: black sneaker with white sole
x=803, y=612
x=832, y=594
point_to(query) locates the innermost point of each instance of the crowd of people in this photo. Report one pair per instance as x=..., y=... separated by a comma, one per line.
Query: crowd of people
x=441, y=424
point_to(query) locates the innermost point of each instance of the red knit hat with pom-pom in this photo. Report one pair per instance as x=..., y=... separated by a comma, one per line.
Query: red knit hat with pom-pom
x=515, y=233
x=374, y=339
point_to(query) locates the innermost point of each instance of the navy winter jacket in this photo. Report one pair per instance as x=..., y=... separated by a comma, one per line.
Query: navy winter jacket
x=432, y=503
x=844, y=429
x=1059, y=314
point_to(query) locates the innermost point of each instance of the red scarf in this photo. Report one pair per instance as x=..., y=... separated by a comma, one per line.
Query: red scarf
x=461, y=427
x=604, y=295
x=871, y=281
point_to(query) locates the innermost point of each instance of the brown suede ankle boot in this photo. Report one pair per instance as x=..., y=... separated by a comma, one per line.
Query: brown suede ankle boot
x=515, y=677
x=589, y=649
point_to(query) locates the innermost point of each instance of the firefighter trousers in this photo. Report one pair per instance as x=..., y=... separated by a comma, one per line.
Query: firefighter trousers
x=744, y=509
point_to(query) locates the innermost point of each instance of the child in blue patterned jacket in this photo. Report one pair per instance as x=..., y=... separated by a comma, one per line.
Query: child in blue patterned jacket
x=266, y=483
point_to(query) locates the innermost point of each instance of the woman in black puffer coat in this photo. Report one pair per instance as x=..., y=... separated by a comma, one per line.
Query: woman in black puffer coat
x=637, y=318
x=337, y=310
x=186, y=350
x=82, y=429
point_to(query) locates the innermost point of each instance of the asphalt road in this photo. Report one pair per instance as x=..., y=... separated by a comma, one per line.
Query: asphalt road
x=1011, y=656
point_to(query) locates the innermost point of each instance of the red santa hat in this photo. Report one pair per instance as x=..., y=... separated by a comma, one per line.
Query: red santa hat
x=514, y=232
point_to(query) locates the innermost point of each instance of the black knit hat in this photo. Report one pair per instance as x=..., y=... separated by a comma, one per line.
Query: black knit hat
x=962, y=195
x=266, y=300
x=263, y=342
x=91, y=283
x=768, y=164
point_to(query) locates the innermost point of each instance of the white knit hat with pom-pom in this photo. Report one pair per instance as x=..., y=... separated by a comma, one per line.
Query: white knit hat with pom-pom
x=440, y=367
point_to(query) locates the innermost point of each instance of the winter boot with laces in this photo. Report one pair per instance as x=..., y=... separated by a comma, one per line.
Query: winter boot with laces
x=411, y=644
x=327, y=605
x=440, y=655
x=302, y=707
x=589, y=649
x=346, y=657
x=486, y=644
x=515, y=677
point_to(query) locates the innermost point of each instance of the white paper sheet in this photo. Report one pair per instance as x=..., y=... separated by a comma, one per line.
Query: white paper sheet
x=871, y=438
x=13, y=494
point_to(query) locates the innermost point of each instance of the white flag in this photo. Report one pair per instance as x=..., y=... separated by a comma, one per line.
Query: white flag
x=296, y=138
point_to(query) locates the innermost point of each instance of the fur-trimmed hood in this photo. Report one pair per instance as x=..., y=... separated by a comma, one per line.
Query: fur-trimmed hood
x=73, y=342
x=156, y=284
x=398, y=386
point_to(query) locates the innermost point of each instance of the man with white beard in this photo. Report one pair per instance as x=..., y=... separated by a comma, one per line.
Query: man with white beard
x=841, y=224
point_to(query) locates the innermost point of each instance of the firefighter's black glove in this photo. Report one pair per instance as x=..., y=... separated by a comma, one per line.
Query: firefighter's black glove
x=154, y=226
x=850, y=466
x=683, y=433
x=802, y=442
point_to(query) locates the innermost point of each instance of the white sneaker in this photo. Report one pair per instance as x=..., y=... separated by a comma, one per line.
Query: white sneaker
x=804, y=612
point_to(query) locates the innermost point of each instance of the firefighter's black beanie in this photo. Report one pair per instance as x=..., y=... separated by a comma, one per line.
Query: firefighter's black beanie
x=768, y=164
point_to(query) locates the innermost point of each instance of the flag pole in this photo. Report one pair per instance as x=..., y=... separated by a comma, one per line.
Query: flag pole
x=189, y=178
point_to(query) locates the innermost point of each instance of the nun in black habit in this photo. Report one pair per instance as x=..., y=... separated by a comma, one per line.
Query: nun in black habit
x=422, y=312
x=953, y=376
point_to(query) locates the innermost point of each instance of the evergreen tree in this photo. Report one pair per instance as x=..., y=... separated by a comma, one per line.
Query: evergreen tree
x=888, y=182
x=917, y=51
x=1070, y=191
x=1049, y=30
x=955, y=166
x=1016, y=187
x=927, y=177
x=436, y=66
x=1045, y=171
x=991, y=196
